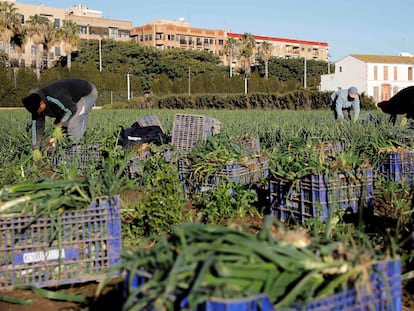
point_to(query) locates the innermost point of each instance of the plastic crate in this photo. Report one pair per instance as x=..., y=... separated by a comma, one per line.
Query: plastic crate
x=89, y=244
x=250, y=172
x=384, y=293
x=150, y=120
x=329, y=148
x=399, y=166
x=83, y=156
x=314, y=196
x=255, y=303
x=190, y=129
x=251, y=144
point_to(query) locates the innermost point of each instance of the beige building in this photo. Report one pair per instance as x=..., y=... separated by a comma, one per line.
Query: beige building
x=92, y=26
x=167, y=34
x=291, y=48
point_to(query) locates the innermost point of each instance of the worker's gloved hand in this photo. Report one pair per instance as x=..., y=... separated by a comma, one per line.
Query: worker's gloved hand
x=37, y=155
x=57, y=133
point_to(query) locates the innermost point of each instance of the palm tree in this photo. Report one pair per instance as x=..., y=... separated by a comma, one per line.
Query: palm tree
x=266, y=53
x=247, y=47
x=36, y=30
x=70, y=37
x=52, y=36
x=9, y=24
x=229, y=47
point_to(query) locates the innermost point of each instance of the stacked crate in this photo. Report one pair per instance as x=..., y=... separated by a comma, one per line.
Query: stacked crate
x=34, y=252
x=190, y=129
x=319, y=196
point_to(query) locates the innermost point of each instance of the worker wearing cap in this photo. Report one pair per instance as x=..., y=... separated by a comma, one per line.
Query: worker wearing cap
x=343, y=101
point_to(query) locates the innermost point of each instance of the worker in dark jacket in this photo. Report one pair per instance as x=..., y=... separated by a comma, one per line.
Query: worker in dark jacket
x=69, y=101
x=400, y=103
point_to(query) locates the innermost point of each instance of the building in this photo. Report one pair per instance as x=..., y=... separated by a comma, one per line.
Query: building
x=378, y=76
x=92, y=26
x=291, y=48
x=161, y=34
x=168, y=34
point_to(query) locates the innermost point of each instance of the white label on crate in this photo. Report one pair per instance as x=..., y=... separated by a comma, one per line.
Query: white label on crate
x=52, y=254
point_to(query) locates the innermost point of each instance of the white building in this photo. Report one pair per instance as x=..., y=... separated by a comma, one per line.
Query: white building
x=377, y=76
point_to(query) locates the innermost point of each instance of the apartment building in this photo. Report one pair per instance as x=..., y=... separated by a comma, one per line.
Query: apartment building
x=168, y=34
x=291, y=48
x=378, y=76
x=92, y=26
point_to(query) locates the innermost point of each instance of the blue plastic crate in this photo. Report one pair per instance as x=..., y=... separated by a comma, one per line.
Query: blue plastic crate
x=328, y=148
x=150, y=121
x=314, y=196
x=383, y=294
x=89, y=244
x=189, y=129
x=255, y=303
x=399, y=167
x=250, y=172
x=83, y=156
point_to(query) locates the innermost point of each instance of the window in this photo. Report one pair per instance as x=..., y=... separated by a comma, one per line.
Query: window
x=221, y=42
x=124, y=34
x=57, y=51
x=410, y=73
x=33, y=49
x=340, y=68
x=395, y=73
x=56, y=22
x=83, y=30
x=375, y=73
x=386, y=73
x=113, y=32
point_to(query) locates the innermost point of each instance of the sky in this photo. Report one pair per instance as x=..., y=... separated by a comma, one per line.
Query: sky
x=380, y=27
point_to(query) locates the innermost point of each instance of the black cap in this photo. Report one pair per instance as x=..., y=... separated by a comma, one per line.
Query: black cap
x=32, y=103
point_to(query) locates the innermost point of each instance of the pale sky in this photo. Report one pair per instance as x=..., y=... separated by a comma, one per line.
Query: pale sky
x=380, y=27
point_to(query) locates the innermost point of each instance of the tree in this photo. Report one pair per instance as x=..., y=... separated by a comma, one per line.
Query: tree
x=19, y=41
x=247, y=46
x=9, y=24
x=70, y=36
x=229, y=47
x=265, y=51
x=36, y=30
x=52, y=36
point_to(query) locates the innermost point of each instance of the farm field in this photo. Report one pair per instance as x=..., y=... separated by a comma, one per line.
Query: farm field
x=289, y=140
